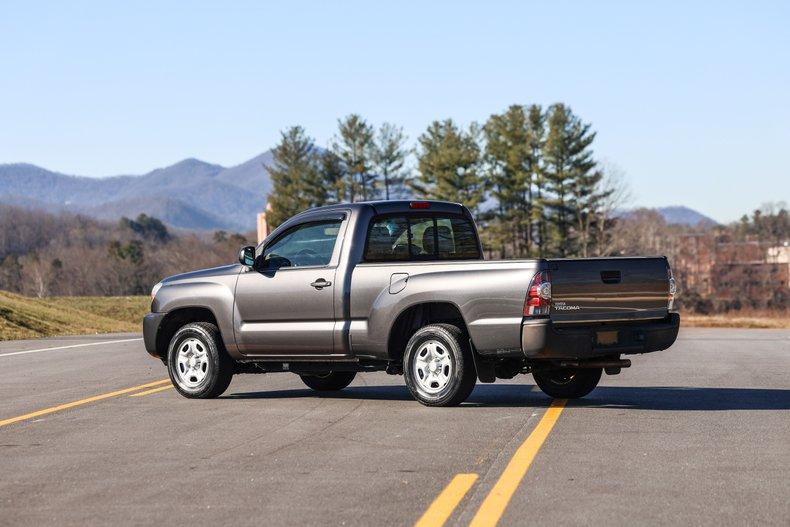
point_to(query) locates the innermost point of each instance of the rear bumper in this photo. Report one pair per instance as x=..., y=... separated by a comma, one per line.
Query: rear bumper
x=541, y=339
x=151, y=323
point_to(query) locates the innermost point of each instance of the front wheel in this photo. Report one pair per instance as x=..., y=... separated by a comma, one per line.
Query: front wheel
x=568, y=383
x=330, y=381
x=198, y=364
x=438, y=366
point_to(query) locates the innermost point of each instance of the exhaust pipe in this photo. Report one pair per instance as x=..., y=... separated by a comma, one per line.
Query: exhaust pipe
x=605, y=363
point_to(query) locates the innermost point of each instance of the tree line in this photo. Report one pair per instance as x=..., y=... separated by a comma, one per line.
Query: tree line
x=43, y=254
x=528, y=175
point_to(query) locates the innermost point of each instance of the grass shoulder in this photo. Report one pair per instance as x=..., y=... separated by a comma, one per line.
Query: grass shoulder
x=737, y=319
x=27, y=318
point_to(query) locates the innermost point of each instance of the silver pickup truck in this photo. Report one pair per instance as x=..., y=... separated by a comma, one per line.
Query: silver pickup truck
x=403, y=287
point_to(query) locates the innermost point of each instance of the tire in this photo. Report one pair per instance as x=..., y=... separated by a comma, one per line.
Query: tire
x=438, y=366
x=329, y=382
x=197, y=362
x=568, y=383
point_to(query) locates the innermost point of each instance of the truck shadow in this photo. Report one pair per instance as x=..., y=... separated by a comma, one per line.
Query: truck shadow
x=679, y=398
x=614, y=397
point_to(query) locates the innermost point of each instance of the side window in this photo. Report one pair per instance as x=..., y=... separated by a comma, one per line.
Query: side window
x=458, y=239
x=421, y=237
x=309, y=244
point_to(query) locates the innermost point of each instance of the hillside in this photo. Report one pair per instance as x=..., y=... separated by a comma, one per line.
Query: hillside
x=24, y=318
x=190, y=194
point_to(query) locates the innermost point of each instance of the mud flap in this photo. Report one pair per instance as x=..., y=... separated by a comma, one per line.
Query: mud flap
x=484, y=368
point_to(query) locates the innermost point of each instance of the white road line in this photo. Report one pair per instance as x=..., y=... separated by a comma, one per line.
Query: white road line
x=68, y=347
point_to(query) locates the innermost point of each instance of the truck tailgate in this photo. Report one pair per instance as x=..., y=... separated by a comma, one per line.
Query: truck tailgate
x=608, y=289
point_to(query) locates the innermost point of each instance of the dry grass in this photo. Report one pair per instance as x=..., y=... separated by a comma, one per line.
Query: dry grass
x=738, y=319
x=22, y=317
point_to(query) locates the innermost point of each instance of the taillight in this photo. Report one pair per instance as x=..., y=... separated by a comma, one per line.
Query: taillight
x=419, y=205
x=672, y=289
x=538, y=295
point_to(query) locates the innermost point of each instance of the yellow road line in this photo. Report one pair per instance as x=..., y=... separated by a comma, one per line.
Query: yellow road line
x=148, y=392
x=53, y=409
x=494, y=505
x=446, y=502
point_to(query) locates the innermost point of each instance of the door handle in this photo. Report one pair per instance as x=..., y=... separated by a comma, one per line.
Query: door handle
x=321, y=283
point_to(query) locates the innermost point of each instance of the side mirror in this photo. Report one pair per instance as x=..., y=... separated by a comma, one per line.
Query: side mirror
x=247, y=256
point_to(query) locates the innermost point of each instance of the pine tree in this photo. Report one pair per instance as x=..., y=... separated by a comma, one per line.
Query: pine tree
x=449, y=163
x=389, y=157
x=509, y=157
x=354, y=145
x=334, y=176
x=296, y=176
x=536, y=139
x=570, y=176
x=514, y=149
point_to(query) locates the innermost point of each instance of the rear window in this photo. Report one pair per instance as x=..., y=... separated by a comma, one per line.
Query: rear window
x=421, y=237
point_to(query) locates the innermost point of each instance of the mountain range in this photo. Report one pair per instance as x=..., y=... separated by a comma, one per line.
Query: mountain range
x=190, y=194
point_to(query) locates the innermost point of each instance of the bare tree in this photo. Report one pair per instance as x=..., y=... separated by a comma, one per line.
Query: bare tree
x=616, y=195
x=36, y=275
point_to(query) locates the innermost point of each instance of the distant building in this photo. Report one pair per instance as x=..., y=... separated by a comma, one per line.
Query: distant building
x=779, y=254
x=734, y=274
x=263, y=225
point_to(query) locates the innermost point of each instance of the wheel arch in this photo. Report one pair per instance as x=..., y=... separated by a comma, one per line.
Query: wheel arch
x=415, y=316
x=178, y=318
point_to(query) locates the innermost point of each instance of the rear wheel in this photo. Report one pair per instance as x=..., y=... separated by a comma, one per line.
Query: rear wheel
x=568, y=383
x=330, y=381
x=197, y=362
x=438, y=366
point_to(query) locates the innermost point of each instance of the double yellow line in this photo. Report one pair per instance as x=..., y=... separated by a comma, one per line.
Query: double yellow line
x=88, y=400
x=444, y=505
x=494, y=505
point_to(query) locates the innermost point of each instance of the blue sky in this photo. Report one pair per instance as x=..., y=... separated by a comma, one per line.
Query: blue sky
x=692, y=102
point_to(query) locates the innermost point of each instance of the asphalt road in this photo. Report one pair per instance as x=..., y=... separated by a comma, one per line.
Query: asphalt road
x=696, y=435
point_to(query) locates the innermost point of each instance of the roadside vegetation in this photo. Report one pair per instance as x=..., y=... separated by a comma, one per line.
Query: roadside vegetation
x=26, y=318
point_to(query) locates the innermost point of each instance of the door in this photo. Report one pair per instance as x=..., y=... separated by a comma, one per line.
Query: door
x=285, y=303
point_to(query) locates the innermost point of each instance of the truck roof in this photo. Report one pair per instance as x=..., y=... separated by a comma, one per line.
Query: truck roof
x=396, y=205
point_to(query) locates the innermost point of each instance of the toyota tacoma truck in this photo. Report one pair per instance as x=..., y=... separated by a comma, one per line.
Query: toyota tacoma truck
x=403, y=287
